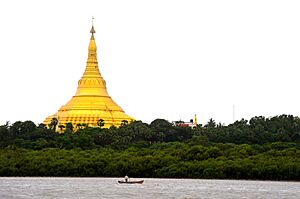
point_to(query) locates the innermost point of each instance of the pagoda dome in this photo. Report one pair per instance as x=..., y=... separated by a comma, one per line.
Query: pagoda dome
x=91, y=102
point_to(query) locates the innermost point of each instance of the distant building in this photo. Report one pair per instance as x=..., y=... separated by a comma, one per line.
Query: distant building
x=192, y=123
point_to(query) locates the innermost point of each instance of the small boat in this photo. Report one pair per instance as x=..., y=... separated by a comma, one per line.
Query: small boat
x=131, y=182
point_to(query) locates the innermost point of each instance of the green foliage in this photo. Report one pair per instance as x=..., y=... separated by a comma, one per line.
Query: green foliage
x=263, y=148
x=101, y=123
x=69, y=127
x=157, y=161
x=53, y=124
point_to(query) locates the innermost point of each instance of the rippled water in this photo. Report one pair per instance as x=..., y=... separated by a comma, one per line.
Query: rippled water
x=38, y=188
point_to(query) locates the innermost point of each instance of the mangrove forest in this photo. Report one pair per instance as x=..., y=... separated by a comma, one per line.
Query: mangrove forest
x=261, y=148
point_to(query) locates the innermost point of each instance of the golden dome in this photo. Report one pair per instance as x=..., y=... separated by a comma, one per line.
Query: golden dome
x=91, y=101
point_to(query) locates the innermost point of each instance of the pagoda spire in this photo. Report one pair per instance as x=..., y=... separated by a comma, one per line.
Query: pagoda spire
x=92, y=62
x=92, y=72
x=91, y=102
x=92, y=47
x=93, y=29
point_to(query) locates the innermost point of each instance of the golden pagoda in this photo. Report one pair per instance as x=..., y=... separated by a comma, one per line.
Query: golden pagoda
x=91, y=102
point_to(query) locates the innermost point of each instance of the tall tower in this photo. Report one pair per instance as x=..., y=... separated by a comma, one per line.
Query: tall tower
x=91, y=102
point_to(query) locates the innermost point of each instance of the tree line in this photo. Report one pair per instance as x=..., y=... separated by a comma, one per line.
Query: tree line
x=276, y=161
x=261, y=148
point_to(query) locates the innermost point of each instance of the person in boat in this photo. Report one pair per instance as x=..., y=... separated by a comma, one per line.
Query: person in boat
x=126, y=178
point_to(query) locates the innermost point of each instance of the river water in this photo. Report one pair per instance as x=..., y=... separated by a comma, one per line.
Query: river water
x=90, y=188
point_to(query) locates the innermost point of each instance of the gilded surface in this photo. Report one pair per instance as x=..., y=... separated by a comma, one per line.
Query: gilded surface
x=91, y=101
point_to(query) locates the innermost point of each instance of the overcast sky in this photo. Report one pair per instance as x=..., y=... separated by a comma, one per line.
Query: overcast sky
x=161, y=58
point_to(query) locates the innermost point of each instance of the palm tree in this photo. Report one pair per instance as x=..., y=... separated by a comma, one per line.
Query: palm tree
x=100, y=123
x=211, y=123
x=124, y=122
x=53, y=123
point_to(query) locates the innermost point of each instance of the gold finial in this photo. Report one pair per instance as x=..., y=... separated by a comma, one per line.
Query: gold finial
x=92, y=30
